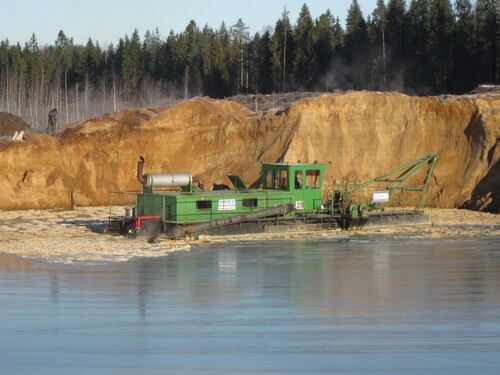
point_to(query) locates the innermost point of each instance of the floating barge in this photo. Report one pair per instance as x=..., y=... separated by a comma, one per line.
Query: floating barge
x=289, y=199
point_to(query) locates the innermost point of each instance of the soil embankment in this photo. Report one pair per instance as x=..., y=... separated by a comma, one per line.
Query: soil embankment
x=9, y=124
x=362, y=133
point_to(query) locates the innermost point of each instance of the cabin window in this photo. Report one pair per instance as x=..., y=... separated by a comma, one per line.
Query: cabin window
x=312, y=179
x=203, y=205
x=276, y=179
x=281, y=179
x=269, y=179
x=298, y=180
x=250, y=202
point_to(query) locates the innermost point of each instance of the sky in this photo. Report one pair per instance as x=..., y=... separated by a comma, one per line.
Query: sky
x=108, y=20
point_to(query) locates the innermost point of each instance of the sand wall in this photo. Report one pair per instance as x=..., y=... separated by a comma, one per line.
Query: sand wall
x=361, y=133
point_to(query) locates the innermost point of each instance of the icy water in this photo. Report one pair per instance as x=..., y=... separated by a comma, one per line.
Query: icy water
x=384, y=306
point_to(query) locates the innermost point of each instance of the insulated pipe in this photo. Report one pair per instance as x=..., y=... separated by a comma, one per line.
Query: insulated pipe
x=181, y=230
x=164, y=179
x=140, y=166
x=167, y=179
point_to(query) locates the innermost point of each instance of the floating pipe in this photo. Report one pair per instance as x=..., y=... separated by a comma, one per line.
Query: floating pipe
x=181, y=230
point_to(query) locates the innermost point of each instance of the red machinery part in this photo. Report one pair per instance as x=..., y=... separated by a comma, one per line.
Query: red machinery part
x=139, y=219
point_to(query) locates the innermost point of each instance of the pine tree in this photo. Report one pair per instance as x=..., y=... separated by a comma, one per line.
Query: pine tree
x=265, y=56
x=151, y=47
x=206, y=41
x=168, y=60
x=440, y=42
x=64, y=57
x=19, y=68
x=438, y=49
x=379, y=22
x=282, y=49
x=487, y=40
x=227, y=71
x=356, y=47
x=325, y=44
x=92, y=61
x=418, y=71
x=463, y=69
x=240, y=37
x=4, y=73
x=396, y=33
x=34, y=73
x=214, y=72
x=192, y=71
x=132, y=66
x=261, y=63
x=304, y=59
x=338, y=37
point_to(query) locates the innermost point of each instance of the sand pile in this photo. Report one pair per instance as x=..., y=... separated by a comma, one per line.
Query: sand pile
x=69, y=236
x=10, y=123
x=362, y=133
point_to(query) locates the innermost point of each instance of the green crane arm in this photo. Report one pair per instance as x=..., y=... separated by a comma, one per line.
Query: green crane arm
x=397, y=178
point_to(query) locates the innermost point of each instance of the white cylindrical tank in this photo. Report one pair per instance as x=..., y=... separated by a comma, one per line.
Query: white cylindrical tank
x=168, y=179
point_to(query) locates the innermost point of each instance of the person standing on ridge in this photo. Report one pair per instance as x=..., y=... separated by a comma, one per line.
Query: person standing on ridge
x=51, y=126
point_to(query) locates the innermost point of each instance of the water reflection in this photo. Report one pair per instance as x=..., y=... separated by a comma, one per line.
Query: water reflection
x=319, y=276
x=262, y=302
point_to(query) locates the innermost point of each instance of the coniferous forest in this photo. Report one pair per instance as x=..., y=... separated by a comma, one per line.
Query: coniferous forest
x=418, y=47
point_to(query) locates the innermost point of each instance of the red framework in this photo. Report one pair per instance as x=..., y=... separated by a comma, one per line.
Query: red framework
x=138, y=220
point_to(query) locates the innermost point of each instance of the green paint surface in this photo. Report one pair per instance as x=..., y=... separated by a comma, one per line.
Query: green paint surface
x=299, y=184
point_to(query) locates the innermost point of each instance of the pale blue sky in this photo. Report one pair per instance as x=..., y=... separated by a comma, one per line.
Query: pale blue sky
x=108, y=20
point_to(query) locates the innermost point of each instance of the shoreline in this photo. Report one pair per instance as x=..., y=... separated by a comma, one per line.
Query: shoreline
x=75, y=236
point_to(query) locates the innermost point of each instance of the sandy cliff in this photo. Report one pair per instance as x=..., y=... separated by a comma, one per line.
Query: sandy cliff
x=362, y=133
x=10, y=123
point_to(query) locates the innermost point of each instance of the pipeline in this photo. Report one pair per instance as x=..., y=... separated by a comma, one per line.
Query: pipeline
x=140, y=166
x=181, y=230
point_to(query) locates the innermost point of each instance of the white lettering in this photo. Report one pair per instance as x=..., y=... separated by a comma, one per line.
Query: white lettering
x=380, y=196
x=226, y=205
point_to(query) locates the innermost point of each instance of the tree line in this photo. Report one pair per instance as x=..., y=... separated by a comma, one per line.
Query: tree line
x=423, y=47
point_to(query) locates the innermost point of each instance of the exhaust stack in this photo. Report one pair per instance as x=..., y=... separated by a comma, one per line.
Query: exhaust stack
x=140, y=166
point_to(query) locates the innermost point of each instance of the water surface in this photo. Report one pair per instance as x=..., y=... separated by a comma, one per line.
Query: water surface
x=407, y=306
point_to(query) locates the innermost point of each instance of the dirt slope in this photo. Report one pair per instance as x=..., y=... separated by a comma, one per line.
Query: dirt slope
x=365, y=134
x=362, y=133
x=10, y=123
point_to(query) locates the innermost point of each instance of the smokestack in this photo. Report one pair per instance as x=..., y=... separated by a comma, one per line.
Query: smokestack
x=140, y=166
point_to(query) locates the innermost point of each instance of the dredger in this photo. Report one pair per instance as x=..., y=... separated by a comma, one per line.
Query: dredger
x=289, y=198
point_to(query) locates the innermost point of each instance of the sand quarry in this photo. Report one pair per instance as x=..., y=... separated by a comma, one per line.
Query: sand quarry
x=358, y=134
x=50, y=185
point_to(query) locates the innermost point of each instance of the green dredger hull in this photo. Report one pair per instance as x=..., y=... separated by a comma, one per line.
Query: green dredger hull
x=290, y=200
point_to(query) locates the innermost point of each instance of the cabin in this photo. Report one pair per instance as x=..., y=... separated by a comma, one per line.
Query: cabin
x=282, y=183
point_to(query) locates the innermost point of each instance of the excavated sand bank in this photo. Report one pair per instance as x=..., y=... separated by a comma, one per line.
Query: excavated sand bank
x=74, y=236
x=363, y=134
